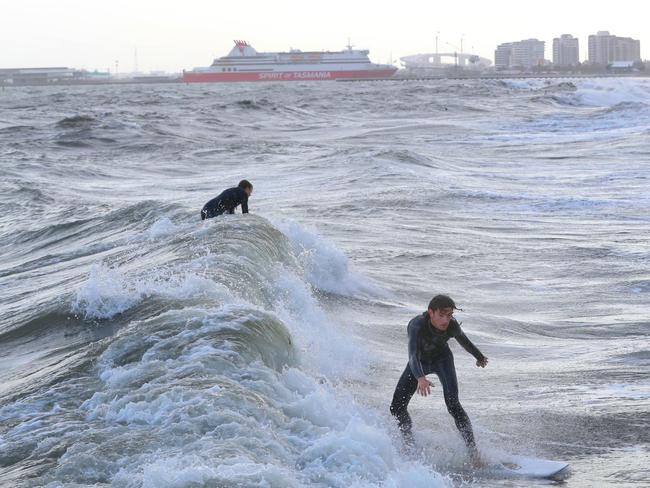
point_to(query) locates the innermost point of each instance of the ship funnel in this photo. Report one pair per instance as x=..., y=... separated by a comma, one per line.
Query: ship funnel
x=242, y=48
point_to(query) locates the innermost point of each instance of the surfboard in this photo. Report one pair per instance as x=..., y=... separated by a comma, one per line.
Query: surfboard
x=529, y=467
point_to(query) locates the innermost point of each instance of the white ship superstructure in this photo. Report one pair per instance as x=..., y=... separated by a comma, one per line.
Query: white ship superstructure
x=244, y=63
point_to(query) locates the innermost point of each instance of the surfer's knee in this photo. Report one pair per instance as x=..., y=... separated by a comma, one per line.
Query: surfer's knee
x=453, y=406
x=396, y=410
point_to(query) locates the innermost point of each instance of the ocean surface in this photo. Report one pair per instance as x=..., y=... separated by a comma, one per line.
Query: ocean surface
x=142, y=347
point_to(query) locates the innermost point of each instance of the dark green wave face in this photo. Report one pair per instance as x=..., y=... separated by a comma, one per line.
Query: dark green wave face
x=143, y=347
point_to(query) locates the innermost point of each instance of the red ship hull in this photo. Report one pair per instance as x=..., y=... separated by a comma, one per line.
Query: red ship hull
x=208, y=76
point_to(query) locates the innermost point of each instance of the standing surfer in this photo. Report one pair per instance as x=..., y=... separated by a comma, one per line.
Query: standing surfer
x=428, y=334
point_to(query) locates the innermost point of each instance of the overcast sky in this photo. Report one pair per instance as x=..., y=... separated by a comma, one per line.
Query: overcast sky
x=182, y=34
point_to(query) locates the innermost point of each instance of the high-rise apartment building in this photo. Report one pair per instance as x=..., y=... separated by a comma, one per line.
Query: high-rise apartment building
x=503, y=56
x=523, y=54
x=605, y=49
x=566, y=51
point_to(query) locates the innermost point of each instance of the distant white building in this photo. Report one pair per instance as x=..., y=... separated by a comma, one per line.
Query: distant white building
x=566, y=51
x=606, y=49
x=503, y=56
x=36, y=75
x=523, y=54
x=528, y=53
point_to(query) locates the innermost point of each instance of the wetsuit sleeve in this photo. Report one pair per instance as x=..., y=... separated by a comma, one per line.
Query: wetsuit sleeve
x=244, y=205
x=414, y=360
x=468, y=345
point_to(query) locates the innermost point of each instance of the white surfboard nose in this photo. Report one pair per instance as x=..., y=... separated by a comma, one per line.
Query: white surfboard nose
x=529, y=467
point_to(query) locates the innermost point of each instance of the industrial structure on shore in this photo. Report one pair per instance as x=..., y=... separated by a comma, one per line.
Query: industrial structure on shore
x=71, y=76
x=444, y=64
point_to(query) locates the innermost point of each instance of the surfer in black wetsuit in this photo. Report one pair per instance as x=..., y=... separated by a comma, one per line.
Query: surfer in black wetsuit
x=428, y=334
x=228, y=200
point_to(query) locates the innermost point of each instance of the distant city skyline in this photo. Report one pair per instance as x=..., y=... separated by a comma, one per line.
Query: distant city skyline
x=172, y=36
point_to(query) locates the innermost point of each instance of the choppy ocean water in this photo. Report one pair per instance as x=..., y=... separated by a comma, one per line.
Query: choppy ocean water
x=140, y=346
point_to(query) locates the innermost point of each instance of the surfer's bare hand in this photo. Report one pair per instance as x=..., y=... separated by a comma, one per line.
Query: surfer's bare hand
x=482, y=363
x=424, y=386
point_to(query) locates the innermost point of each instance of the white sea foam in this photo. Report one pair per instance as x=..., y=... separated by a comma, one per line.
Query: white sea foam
x=188, y=408
x=191, y=470
x=307, y=430
x=161, y=228
x=104, y=294
x=326, y=266
x=108, y=291
x=597, y=92
x=613, y=91
x=523, y=84
x=319, y=338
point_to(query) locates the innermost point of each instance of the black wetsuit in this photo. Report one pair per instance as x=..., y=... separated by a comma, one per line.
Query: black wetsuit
x=430, y=353
x=227, y=201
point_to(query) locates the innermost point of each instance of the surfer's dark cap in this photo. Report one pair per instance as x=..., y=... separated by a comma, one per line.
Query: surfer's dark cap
x=442, y=301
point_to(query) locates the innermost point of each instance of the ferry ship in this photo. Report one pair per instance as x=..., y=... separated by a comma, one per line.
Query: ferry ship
x=243, y=63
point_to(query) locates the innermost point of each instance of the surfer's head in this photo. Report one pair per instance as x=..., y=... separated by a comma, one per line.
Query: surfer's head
x=441, y=311
x=247, y=186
